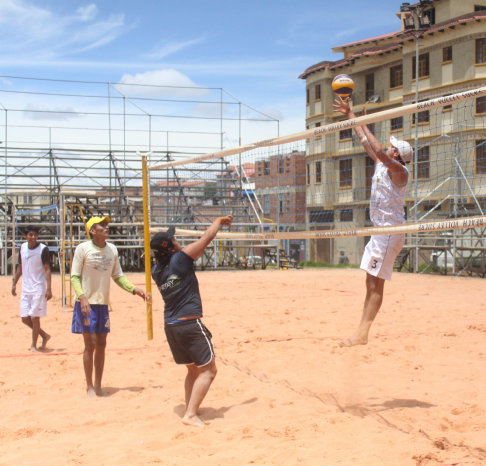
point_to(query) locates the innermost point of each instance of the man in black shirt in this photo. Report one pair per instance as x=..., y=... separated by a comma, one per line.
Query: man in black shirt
x=188, y=338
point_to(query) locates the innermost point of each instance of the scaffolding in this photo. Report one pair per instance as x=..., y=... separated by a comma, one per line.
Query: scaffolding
x=77, y=144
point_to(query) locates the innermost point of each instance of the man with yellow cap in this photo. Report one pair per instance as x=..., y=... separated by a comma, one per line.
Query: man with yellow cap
x=95, y=263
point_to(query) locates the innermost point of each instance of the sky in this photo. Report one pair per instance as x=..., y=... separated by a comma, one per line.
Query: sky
x=254, y=49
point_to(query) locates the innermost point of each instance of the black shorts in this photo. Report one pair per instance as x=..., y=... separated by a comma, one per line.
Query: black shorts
x=190, y=342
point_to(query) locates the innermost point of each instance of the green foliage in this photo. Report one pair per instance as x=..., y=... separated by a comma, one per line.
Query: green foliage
x=210, y=190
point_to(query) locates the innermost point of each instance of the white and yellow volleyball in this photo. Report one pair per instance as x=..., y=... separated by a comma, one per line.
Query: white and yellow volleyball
x=343, y=85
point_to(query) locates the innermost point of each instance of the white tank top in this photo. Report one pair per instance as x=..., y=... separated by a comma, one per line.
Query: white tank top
x=387, y=199
x=33, y=272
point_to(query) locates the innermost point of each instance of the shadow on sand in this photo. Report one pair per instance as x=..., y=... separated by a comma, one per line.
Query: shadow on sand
x=208, y=413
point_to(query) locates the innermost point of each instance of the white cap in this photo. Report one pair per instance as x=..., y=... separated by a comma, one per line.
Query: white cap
x=404, y=148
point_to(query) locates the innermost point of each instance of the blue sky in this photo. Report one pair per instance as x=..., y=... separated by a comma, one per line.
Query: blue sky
x=255, y=50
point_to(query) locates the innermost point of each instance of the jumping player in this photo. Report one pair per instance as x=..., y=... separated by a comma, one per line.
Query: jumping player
x=188, y=338
x=95, y=262
x=386, y=208
x=35, y=268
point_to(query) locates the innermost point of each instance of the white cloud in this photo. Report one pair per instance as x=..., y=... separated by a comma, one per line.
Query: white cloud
x=96, y=34
x=35, y=33
x=157, y=83
x=36, y=112
x=86, y=13
x=169, y=48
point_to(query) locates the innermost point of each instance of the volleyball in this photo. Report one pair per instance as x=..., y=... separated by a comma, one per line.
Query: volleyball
x=343, y=85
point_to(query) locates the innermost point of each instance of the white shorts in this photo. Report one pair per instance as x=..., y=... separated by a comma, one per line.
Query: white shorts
x=33, y=305
x=380, y=254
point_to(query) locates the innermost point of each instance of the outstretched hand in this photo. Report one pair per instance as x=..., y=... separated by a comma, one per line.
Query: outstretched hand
x=341, y=105
x=226, y=220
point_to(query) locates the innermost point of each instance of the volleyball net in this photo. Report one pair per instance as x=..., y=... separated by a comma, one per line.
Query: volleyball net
x=316, y=184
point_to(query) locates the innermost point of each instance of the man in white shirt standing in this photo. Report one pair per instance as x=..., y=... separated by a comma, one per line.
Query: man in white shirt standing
x=95, y=263
x=386, y=208
x=34, y=267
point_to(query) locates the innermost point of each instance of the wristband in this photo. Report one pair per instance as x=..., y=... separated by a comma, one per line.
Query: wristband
x=364, y=139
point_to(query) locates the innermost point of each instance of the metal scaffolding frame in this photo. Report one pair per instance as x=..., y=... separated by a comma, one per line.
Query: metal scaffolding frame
x=77, y=142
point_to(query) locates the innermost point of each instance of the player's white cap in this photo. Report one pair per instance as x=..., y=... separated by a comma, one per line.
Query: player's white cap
x=404, y=148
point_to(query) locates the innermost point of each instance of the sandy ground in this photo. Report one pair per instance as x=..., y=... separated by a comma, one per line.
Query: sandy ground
x=285, y=394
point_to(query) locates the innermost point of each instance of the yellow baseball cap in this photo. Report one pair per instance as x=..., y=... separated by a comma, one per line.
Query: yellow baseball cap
x=94, y=220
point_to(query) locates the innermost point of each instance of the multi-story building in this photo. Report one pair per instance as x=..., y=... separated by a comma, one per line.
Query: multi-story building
x=280, y=187
x=451, y=38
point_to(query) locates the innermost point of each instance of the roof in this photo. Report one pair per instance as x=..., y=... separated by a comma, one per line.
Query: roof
x=365, y=41
x=400, y=38
x=171, y=183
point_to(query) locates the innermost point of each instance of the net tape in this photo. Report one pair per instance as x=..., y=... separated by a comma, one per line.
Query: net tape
x=333, y=127
x=418, y=227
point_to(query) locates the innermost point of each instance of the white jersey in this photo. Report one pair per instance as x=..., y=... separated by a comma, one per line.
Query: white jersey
x=96, y=267
x=387, y=199
x=34, y=279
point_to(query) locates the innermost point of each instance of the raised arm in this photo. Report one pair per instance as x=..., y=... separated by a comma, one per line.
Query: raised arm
x=364, y=134
x=195, y=249
x=373, y=147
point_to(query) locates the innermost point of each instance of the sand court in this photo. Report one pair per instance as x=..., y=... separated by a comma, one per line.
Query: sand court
x=286, y=393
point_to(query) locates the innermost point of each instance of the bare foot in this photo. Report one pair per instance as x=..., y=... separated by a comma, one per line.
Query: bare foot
x=45, y=339
x=91, y=392
x=33, y=349
x=193, y=421
x=99, y=392
x=353, y=341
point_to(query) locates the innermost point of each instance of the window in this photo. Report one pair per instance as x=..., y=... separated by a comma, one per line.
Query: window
x=479, y=8
x=431, y=15
x=280, y=204
x=307, y=96
x=280, y=165
x=396, y=76
x=318, y=172
x=429, y=205
x=321, y=216
x=345, y=134
x=423, y=163
x=346, y=215
x=266, y=167
x=370, y=85
x=424, y=69
x=481, y=105
x=480, y=50
x=396, y=123
x=447, y=54
x=423, y=117
x=346, y=173
x=318, y=91
x=447, y=108
x=481, y=157
x=266, y=203
x=308, y=173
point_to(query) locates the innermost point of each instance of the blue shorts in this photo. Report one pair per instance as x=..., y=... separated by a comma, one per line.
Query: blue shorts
x=97, y=322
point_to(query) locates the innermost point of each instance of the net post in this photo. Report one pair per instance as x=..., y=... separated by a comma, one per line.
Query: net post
x=146, y=236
